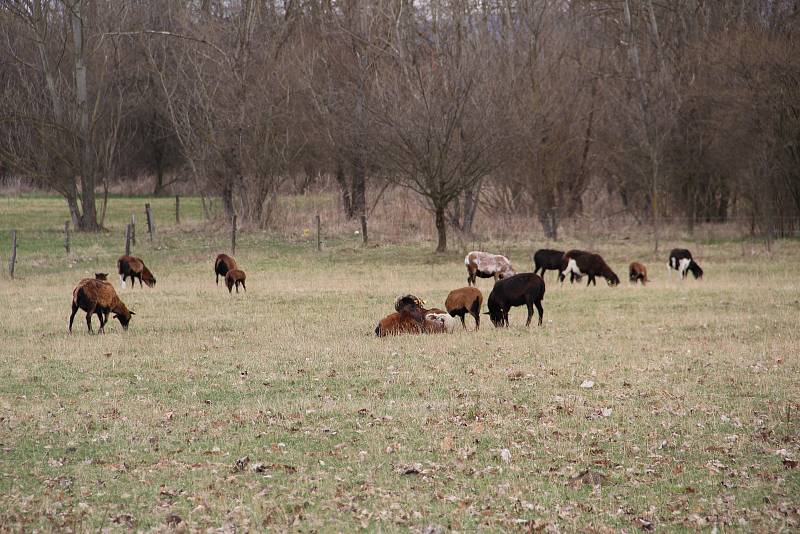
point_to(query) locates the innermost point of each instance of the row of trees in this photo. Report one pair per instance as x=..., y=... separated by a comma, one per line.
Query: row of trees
x=687, y=108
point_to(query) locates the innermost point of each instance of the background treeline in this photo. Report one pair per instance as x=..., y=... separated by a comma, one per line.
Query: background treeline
x=682, y=110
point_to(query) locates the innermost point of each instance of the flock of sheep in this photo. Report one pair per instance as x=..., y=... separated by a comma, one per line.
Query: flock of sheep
x=512, y=289
x=97, y=296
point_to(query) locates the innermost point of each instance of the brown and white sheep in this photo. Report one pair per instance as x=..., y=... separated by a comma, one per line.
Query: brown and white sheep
x=235, y=277
x=97, y=296
x=133, y=267
x=637, y=272
x=486, y=265
x=222, y=265
x=463, y=301
x=592, y=265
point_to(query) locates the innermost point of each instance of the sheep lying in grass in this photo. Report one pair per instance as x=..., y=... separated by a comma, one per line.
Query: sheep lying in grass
x=410, y=318
x=133, y=267
x=235, y=277
x=97, y=296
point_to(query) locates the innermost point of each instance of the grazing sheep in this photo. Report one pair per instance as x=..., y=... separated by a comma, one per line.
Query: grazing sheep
x=96, y=296
x=571, y=254
x=235, y=277
x=410, y=318
x=637, y=273
x=485, y=265
x=130, y=266
x=101, y=276
x=465, y=300
x=548, y=259
x=681, y=260
x=222, y=265
x=524, y=288
x=592, y=265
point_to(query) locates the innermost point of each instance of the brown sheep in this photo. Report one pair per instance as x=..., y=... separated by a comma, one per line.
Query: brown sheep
x=637, y=273
x=410, y=318
x=222, y=265
x=96, y=296
x=133, y=267
x=235, y=277
x=465, y=300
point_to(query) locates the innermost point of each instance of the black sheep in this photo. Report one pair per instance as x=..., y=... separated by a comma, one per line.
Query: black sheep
x=548, y=260
x=523, y=288
x=592, y=265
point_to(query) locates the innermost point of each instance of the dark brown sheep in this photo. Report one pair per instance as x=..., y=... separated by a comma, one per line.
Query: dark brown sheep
x=101, y=276
x=548, y=259
x=133, y=267
x=637, y=272
x=235, y=277
x=570, y=254
x=463, y=301
x=524, y=288
x=96, y=296
x=222, y=265
x=592, y=265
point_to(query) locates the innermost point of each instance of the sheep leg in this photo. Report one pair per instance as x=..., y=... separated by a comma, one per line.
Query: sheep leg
x=72, y=316
x=99, y=312
x=530, y=313
x=461, y=316
x=539, y=308
x=505, y=317
x=140, y=281
x=217, y=278
x=237, y=287
x=89, y=318
x=244, y=286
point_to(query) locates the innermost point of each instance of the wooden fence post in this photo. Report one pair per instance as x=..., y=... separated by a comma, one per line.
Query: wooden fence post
x=151, y=224
x=233, y=235
x=128, y=239
x=177, y=209
x=66, y=236
x=12, y=262
x=364, y=230
x=319, y=233
x=133, y=229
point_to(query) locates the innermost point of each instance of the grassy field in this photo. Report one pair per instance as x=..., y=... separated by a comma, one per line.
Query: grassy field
x=279, y=409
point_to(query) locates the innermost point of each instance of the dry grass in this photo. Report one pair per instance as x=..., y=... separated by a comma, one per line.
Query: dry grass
x=692, y=419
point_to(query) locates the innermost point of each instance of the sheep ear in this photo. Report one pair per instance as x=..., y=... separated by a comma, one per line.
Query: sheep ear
x=133, y=312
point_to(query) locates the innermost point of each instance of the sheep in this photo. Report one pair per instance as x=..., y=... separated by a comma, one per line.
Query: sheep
x=465, y=300
x=548, y=259
x=97, y=296
x=101, y=276
x=637, y=272
x=592, y=265
x=573, y=277
x=130, y=266
x=222, y=265
x=447, y=321
x=524, y=288
x=485, y=265
x=235, y=277
x=680, y=259
x=410, y=318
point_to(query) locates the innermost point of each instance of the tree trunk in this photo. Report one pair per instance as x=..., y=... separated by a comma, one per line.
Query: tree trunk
x=470, y=208
x=441, y=228
x=89, y=218
x=347, y=201
x=227, y=200
x=359, y=197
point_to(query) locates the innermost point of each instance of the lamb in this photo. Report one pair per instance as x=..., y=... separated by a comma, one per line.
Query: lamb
x=637, y=272
x=235, y=277
x=524, y=288
x=446, y=320
x=465, y=300
x=592, y=265
x=130, y=266
x=97, y=296
x=222, y=265
x=680, y=259
x=485, y=265
x=410, y=318
x=548, y=259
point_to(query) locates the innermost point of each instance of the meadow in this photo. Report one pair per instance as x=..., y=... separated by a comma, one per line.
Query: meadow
x=667, y=407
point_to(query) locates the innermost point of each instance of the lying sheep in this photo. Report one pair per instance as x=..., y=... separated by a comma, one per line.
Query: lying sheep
x=96, y=296
x=410, y=318
x=465, y=300
x=133, y=267
x=222, y=265
x=235, y=277
x=101, y=276
x=447, y=320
